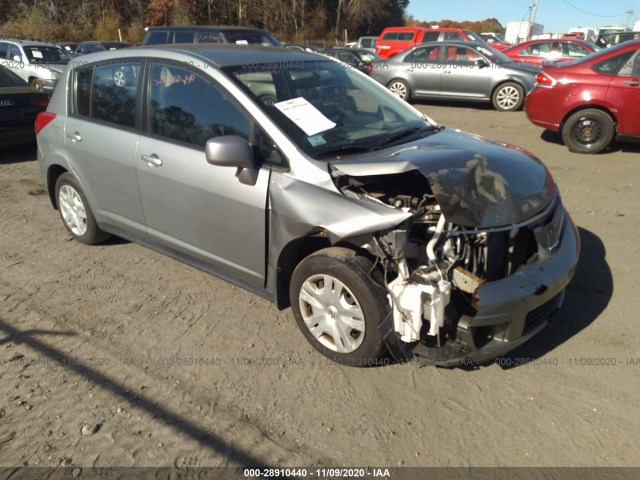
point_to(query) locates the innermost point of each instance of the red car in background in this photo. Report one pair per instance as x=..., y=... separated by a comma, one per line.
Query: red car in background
x=560, y=49
x=394, y=40
x=592, y=100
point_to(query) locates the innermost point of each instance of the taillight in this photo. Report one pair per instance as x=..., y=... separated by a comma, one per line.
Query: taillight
x=42, y=120
x=544, y=80
x=40, y=101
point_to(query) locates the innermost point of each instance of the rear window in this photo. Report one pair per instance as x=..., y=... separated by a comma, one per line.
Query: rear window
x=250, y=38
x=157, y=38
x=10, y=79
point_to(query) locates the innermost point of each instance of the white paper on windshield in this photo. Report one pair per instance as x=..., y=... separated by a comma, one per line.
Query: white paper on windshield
x=304, y=115
x=36, y=54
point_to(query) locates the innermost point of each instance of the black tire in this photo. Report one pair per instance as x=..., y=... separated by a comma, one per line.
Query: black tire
x=75, y=212
x=588, y=131
x=349, y=274
x=508, y=97
x=400, y=88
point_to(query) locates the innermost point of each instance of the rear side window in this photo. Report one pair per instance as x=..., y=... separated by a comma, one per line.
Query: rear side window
x=209, y=37
x=184, y=37
x=108, y=93
x=389, y=36
x=452, y=36
x=406, y=36
x=158, y=38
x=4, y=49
x=430, y=37
x=612, y=66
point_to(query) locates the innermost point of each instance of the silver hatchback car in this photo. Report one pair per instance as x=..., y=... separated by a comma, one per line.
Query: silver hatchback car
x=308, y=183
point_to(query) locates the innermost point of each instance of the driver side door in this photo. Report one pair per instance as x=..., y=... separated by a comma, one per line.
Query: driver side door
x=192, y=208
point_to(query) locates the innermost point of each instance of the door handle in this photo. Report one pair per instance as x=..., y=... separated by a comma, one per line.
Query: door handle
x=152, y=159
x=75, y=136
x=631, y=82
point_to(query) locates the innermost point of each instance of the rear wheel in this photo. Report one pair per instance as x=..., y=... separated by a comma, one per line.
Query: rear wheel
x=75, y=212
x=508, y=97
x=588, y=131
x=400, y=89
x=338, y=306
x=37, y=84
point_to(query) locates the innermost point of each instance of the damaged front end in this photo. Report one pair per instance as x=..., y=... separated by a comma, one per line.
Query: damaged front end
x=483, y=260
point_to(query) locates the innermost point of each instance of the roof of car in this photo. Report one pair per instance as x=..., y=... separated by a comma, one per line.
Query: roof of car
x=28, y=42
x=189, y=28
x=222, y=55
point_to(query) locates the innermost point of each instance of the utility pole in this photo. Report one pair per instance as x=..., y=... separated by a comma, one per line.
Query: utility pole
x=533, y=20
x=629, y=13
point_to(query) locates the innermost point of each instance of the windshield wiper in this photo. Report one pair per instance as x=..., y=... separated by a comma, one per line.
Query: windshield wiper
x=401, y=136
x=343, y=150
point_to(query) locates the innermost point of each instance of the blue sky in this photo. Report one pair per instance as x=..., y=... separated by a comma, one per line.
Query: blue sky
x=557, y=16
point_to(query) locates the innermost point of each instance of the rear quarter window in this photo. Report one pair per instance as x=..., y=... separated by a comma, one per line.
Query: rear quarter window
x=614, y=65
x=389, y=36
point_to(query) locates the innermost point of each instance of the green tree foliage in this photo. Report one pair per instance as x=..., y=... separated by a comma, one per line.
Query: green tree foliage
x=289, y=20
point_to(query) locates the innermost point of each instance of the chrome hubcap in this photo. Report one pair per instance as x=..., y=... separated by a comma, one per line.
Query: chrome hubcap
x=398, y=89
x=508, y=98
x=72, y=209
x=332, y=314
x=119, y=78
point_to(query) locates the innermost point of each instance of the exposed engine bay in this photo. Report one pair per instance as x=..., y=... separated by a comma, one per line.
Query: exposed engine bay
x=434, y=267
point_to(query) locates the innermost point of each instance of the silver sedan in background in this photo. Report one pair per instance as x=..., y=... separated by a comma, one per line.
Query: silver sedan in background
x=456, y=70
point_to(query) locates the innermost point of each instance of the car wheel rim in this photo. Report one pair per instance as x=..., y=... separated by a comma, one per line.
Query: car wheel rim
x=508, y=98
x=332, y=313
x=398, y=89
x=119, y=79
x=73, y=211
x=587, y=132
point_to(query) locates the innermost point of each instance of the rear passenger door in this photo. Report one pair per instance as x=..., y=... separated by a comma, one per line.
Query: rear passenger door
x=199, y=210
x=100, y=137
x=424, y=70
x=462, y=77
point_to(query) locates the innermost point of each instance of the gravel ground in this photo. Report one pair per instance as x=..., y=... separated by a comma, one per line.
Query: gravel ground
x=86, y=334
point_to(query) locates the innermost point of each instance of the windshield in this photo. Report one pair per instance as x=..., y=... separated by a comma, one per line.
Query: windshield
x=48, y=55
x=329, y=110
x=474, y=36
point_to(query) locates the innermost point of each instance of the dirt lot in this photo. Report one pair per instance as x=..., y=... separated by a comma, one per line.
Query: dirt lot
x=87, y=335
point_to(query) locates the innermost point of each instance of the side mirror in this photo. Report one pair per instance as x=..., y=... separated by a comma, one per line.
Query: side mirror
x=233, y=151
x=17, y=58
x=480, y=62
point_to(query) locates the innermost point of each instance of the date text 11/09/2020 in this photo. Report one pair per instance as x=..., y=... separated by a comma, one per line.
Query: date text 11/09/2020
x=316, y=472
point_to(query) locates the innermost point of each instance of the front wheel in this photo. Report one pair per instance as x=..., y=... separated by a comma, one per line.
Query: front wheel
x=400, y=89
x=338, y=306
x=508, y=97
x=75, y=212
x=588, y=131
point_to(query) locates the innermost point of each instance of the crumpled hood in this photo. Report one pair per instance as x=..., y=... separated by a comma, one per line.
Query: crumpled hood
x=478, y=183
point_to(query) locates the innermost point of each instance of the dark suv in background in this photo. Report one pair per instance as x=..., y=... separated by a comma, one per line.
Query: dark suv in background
x=207, y=34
